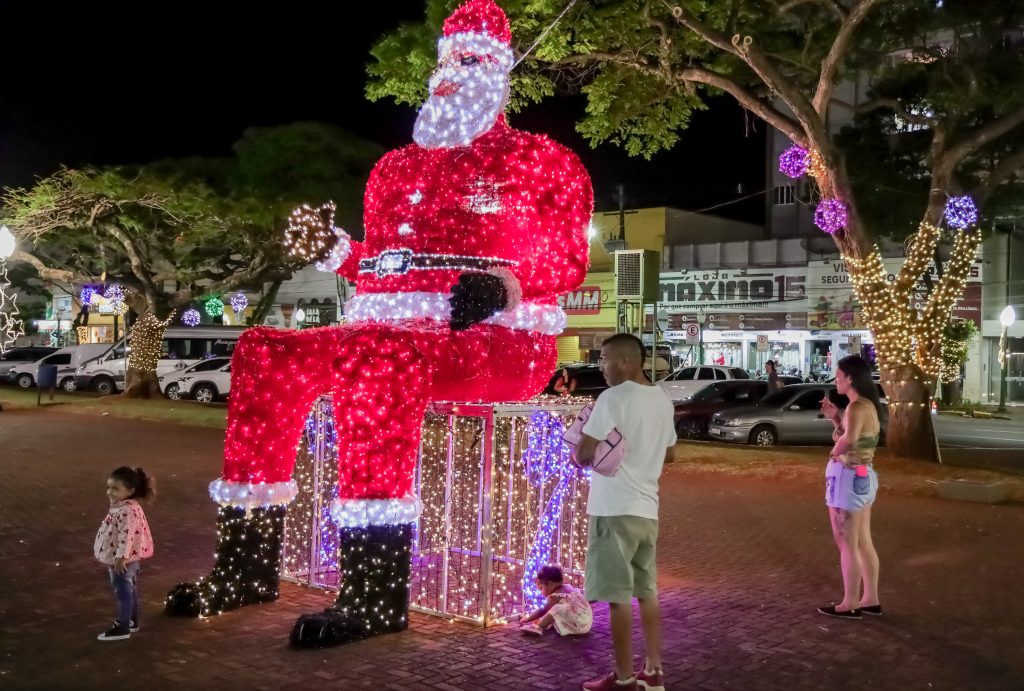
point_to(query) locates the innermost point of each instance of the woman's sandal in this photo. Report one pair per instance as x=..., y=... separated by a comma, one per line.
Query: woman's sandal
x=531, y=630
x=831, y=611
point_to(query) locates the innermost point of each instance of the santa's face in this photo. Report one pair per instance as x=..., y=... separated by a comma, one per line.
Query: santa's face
x=468, y=90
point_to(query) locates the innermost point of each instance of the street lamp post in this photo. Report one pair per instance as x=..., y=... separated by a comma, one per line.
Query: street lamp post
x=1007, y=317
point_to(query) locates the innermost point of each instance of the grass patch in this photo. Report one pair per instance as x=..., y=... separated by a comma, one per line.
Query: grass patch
x=807, y=464
x=160, y=409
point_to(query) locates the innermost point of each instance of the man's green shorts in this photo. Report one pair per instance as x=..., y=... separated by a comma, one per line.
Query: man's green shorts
x=620, y=559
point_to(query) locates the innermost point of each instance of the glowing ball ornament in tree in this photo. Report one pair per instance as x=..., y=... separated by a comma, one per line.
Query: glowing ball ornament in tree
x=114, y=294
x=831, y=215
x=190, y=317
x=793, y=161
x=213, y=306
x=239, y=302
x=961, y=212
x=87, y=294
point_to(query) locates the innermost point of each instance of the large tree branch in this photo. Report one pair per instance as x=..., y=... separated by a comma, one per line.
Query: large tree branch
x=832, y=5
x=980, y=136
x=895, y=105
x=832, y=61
x=1006, y=167
x=139, y=267
x=45, y=272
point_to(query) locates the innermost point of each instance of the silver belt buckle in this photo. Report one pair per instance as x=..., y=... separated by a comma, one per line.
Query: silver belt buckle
x=394, y=262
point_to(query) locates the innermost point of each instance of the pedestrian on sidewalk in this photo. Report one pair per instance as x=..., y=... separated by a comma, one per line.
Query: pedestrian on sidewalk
x=773, y=376
x=623, y=509
x=851, y=485
x=564, y=609
x=122, y=542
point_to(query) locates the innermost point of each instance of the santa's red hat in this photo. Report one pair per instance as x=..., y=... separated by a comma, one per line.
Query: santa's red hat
x=479, y=27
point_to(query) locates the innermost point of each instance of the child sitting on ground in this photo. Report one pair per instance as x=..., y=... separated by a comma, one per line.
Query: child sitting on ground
x=565, y=608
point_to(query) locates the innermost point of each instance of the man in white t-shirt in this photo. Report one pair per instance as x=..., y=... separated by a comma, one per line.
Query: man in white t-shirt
x=624, y=508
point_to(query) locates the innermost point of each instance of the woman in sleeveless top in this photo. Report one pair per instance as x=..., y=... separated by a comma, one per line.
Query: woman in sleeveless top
x=850, y=488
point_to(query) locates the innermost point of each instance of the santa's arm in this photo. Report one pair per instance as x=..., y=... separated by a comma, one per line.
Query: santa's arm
x=559, y=248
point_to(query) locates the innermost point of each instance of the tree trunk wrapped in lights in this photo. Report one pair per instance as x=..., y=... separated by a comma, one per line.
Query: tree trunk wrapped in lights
x=140, y=375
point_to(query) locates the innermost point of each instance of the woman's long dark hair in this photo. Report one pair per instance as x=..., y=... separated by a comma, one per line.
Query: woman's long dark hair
x=859, y=372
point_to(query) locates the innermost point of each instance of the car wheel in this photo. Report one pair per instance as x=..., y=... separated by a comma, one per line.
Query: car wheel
x=204, y=393
x=103, y=386
x=24, y=381
x=173, y=392
x=764, y=435
x=688, y=429
x=68, y=384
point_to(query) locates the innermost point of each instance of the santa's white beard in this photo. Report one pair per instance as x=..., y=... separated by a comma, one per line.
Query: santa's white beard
x=459, y=118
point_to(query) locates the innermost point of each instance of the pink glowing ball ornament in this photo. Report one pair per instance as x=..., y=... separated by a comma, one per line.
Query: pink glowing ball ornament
x=793, y=161
x=831, y=215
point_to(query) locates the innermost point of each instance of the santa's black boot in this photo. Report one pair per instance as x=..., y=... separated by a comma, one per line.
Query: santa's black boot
x=374, y=597
x=246, y=570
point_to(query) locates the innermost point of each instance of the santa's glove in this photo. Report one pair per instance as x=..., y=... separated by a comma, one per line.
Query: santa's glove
x=479, y=296
x=312, y=237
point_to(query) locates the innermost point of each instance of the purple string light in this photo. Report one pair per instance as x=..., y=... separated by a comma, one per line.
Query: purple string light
x=961, y=212
x=190, y=317
x=793, y=161
x=546, y=456
x=830, y=215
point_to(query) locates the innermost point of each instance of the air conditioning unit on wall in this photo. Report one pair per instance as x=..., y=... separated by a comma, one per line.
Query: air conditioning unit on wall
x=636, y=275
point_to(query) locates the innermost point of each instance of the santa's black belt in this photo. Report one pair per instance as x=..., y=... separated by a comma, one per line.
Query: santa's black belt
x=398, y=262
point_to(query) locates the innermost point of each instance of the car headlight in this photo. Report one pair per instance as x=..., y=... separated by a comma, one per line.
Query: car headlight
x=735, y=422
x=80, y=369
x=159, y=378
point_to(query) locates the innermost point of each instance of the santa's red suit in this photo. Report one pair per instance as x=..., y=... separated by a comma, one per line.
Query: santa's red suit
x=507, y=211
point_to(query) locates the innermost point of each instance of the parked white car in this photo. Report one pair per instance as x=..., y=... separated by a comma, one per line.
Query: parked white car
x=26, y=374
x=171, y=385
x=205, y=386
x=687, y=381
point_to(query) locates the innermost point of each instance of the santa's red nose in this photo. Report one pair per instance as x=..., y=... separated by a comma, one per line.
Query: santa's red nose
x=446, y=88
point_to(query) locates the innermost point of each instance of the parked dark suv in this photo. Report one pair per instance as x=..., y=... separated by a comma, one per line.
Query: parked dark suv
x=576, y=380
x=694, y=413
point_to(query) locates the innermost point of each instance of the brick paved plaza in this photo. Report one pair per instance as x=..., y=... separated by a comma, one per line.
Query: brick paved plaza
x=744, y=562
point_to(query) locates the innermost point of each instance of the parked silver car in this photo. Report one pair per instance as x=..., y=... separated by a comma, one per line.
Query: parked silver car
x=791, y=415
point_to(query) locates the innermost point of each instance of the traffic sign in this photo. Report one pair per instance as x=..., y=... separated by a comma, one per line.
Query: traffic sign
x=692, y=334
x=762, y=344
x=854, y=343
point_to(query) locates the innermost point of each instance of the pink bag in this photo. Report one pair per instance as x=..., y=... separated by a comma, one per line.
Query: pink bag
x=609, y=453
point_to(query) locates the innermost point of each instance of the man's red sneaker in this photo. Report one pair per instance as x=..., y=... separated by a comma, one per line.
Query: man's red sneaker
x=611, y=683
x=652, y=681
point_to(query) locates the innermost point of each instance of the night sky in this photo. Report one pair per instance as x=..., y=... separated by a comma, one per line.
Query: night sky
x=109, y=83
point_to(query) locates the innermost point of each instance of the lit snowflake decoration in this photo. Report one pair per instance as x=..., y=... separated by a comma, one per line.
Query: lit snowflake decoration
x=961, y=212
x=239, y=302
x=213, y=306
x=831, y=215
x=793, y=161
x=190, y=317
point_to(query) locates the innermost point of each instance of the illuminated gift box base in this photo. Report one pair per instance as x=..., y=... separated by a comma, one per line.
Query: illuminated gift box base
x=486, y=491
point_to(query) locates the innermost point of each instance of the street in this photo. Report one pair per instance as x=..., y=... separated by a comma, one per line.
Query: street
x=965, y=432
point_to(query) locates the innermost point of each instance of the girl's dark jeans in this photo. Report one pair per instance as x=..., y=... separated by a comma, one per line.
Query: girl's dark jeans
x=126, y=593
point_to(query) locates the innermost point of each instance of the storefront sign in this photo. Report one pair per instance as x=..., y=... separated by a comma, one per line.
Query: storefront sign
x=833, y=305
x=586, y=300
x=732, y=290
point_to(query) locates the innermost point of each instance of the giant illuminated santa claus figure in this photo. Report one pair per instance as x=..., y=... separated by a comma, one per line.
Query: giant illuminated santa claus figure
x=472, y=233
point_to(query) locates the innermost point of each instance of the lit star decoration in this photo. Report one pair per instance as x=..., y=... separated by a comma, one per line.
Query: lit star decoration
x=239, y=302
x=462, y=308
x=191, y=317
x=961, y=212
x=213, y=306
x=793, y=161
x=11, y=326
x=830, y=215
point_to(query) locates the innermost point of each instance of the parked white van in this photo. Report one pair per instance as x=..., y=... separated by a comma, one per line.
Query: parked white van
x=181, y=347
x=66, y=359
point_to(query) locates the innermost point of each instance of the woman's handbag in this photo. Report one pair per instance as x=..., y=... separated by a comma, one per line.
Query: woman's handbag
x=609, y=453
